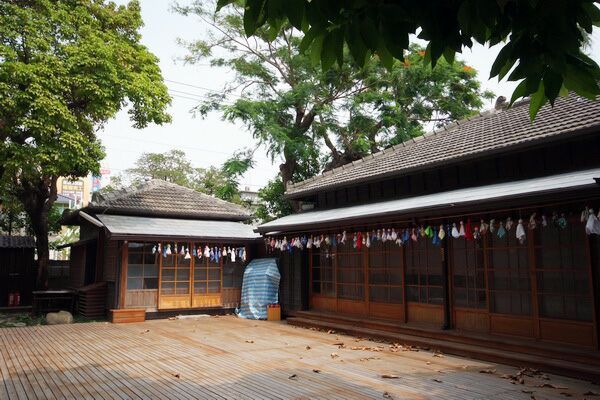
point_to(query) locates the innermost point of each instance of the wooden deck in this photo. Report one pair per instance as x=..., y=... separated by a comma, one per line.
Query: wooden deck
x=227, y=357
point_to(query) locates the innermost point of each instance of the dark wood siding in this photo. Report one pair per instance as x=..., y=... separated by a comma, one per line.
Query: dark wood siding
x=111, y=254
x=540, y=161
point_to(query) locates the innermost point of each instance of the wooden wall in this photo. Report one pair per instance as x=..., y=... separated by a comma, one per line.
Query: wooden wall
x=111, y=260
x=17, y=273
x=77, y=266
x=548, y=160
x=546, y=288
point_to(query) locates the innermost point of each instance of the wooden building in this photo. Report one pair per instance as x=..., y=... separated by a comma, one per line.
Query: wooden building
x=159, y=247
x=538, y=281
x=17, y=270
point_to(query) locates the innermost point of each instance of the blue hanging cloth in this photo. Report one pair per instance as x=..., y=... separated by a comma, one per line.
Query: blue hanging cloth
x=405, y=236
x=435, y=240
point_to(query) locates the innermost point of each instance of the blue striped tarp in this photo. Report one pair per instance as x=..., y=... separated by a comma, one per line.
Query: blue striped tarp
x=259, y=288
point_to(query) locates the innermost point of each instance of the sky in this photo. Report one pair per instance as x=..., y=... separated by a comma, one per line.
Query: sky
x=210, y=141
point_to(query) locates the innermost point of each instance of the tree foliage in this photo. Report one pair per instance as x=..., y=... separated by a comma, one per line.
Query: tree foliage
x=312, y=118
x=542, y=39
x=174, y=166
x=66, y=68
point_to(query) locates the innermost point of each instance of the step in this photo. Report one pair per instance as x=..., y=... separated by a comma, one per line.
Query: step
x=524, y=345
x=547, y=364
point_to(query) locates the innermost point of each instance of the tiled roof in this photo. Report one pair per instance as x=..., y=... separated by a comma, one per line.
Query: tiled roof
x=126, y=225
x=160, y=198
x=16, y=242
x=493, y=131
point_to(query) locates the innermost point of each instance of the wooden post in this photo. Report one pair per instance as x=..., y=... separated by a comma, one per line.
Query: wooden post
x=535, y=309
x=594, y=275
x=366, y=266
x=160, y=260
x=446, y=285
x=123, y=285
x=403, y=258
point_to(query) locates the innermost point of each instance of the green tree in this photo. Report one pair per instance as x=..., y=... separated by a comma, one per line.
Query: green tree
x=273, y=204
x=172, y=166
x=66, y=68
x=295, y=108
x=232, y=170
x=543, y=39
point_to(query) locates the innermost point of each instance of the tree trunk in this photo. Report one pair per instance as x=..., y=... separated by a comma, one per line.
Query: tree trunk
x=37, y=198
x=43, y=253
x=287, y=170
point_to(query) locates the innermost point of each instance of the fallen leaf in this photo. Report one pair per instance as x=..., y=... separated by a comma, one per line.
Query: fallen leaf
x=316, y=371
x=334, y=355
x=552, y=386
x=487, y=371
x=390, y=376
x=293, y=377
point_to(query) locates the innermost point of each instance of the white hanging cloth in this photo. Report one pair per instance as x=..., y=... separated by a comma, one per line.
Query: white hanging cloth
x=592, y=225
x=520, y=232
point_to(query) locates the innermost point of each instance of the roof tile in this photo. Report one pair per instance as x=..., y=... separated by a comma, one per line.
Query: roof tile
x=158, y=197
x=484, y=133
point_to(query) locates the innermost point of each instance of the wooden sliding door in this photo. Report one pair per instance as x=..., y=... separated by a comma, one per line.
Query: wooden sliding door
x=207, y=283
x=424, y=282
x=175, y=274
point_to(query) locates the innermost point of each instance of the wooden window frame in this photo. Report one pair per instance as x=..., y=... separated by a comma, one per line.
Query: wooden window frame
x=143, y=253
x=387, y=250
x=408, y=254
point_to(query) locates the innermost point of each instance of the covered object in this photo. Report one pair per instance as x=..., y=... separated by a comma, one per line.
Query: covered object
x=259, y=288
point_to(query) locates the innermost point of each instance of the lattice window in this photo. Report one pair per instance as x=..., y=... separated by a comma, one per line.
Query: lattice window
x=322, y=272
x=468, y=273
x=508, y=275
x=350, y=273
x=562, y=269
x=142, y=266
x=175, y=271
x=233, y=273
x=207, y=276
x=424, y=272
x=385, y=273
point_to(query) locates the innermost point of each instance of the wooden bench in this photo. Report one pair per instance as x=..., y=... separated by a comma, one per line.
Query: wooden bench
x=127, y=315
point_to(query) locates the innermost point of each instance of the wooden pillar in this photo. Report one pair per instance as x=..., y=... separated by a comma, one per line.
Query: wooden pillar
x=593, y=250
x=446, y=284
x=535, y=309
x=123, y=280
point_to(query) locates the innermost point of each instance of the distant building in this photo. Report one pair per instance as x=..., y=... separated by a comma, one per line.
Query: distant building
x=79, y=190
x=249, y=196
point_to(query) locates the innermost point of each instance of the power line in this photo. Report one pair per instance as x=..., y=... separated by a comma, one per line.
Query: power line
x=193, y=86
x=239, y=183
x=164, y=144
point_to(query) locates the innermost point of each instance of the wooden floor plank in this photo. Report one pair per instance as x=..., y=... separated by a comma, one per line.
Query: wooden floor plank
x=232, y=358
